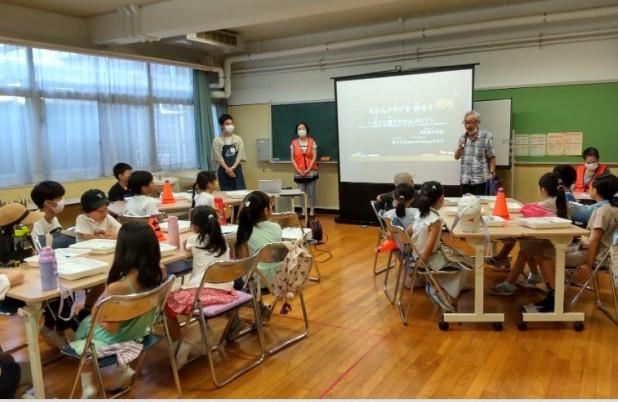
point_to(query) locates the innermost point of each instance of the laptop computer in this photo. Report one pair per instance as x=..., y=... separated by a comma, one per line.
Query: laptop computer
x=270, y=186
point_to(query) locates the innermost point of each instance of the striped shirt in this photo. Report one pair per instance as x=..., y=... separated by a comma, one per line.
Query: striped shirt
x=474, y=158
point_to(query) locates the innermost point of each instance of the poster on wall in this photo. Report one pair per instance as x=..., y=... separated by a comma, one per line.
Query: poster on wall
x=555, y=144
x=522, y=144
x=573, y=143
x=538, y=144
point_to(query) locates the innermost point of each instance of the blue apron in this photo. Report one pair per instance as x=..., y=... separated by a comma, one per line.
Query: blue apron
x=227, y=183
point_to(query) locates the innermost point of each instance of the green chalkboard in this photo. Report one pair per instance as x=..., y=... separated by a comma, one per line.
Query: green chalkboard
x=590, y=108
x=322, y=121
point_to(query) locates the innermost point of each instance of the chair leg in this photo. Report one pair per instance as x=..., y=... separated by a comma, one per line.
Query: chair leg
x=398, y=274
x=98, y=376
x=584, y=287
x=404, y=313
x=314, y=264
x=80, y=368
x=172, y=356
x=292, y=340
x=614, y=293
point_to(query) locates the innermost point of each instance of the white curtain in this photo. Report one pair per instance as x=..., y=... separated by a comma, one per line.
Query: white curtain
x=70, y=116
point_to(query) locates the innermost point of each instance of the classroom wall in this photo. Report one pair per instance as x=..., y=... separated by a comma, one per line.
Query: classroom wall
x=588, y=61
x=253, y=122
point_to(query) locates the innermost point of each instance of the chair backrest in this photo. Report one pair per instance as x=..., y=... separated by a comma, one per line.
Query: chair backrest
x=127, y=307
x=286, y=219
x=374, y=207
x=229, y=271
x=401, y=237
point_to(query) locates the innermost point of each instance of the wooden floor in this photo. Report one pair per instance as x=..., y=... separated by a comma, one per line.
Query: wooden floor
x=358, y=347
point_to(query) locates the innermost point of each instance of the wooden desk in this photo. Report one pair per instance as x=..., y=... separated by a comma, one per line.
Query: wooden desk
x=560, y=238
x=31, y=293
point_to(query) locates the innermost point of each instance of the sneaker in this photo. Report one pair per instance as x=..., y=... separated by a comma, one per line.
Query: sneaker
x=437, y=300
x=182, y=355
x=498, y=262
x=547, y=304
x=530, y=282
x=502, y=289
x=53, y=338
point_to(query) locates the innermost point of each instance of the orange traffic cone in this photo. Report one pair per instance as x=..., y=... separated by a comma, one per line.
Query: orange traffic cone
x=168, y=196
x=500, y=208
x=153, y=222
x=388, y=245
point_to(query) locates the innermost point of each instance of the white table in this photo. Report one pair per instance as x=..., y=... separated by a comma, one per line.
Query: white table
x=296, y=192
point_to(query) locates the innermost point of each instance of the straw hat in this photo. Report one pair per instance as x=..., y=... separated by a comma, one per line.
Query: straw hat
x=14, y=213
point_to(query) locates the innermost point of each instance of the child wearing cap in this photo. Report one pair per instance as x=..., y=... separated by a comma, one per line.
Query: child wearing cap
x=120, y=190
x=141, y=204
x=95, y=222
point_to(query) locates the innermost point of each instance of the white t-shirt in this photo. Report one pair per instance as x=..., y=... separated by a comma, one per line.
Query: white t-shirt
x=205, y=198
x=85, y=225
x=42, y=227
x=141, y=205
x=412, y=215
x=420, y=231
x=201, y=260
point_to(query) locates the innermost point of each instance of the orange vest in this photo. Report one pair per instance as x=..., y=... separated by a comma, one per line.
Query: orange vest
x=580, y=187
x=304, y=159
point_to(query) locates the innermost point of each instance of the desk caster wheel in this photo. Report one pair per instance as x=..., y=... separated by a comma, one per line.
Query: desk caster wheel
x=443, y=325
x=497, y=326
x=578, y=326
x=522, y=325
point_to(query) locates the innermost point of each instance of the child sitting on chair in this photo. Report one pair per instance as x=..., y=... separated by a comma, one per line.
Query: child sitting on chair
x=207, y=245
x=141, y=183
x=426, y=236
x=206, y=183
x=95, y=222
x=589, y=251
x=385, y=200
x=403, y=214
x=136, y=268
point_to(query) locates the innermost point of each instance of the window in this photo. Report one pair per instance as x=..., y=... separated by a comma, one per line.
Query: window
x=71, y=116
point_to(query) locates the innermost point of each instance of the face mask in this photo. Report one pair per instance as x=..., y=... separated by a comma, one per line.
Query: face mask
x=591, y=166
x=229, y=128
x=59, y=207
x=302, y=133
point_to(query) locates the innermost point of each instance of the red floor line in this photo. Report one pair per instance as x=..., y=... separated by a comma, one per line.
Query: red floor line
x=332, y=326
x=343, y=375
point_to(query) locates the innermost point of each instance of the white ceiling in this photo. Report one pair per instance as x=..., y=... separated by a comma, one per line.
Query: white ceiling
x=77, y=8
x=378, y=13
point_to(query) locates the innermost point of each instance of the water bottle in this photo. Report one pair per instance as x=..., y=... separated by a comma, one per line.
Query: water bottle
x=49, y=269
x=172, y=231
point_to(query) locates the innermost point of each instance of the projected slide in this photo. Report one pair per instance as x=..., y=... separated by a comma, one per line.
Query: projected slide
x=404, y=122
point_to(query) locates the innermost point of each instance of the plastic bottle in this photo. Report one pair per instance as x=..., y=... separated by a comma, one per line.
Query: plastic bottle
x=172, y=231
x=49, y=269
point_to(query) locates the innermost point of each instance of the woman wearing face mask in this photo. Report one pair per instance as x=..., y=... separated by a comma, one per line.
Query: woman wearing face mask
x=304, y=152
x=590, y=170
x=229, y=151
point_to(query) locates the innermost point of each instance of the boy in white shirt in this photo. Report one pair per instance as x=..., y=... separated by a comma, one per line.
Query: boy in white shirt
x=141, y=204
x=95, y=222
x=47, y=195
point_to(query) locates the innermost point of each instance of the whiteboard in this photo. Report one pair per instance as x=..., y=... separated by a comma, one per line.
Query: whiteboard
x=496, y=118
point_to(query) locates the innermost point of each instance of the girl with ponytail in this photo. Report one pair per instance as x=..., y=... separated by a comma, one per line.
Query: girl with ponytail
x=255, y=230
x=206, y=183
x=403, y=214
x=426, y=237
x=206, y=245
x=553, y=191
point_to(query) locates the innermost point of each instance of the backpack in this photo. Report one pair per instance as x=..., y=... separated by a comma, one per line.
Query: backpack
x=292, y=273
x=14, y=248
x=317, y=233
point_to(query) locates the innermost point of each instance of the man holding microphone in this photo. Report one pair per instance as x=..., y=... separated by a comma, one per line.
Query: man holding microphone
x=476, y=151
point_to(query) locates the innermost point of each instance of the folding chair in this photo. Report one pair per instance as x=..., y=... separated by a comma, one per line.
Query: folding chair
x=607, y=264
x=382, y=235
x=290, y=220
x=276, y=253
x=222, y=272
x=119, y=309
x=409, y=266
